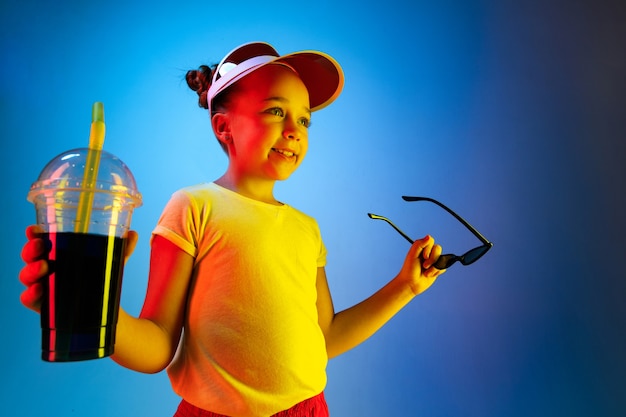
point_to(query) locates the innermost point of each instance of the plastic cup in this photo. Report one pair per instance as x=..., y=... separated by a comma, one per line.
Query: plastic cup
x=85, y=227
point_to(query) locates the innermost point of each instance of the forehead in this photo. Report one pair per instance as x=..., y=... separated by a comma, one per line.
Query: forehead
x=274, y=79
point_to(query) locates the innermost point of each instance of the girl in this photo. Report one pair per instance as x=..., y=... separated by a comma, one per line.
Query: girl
x=238, y=307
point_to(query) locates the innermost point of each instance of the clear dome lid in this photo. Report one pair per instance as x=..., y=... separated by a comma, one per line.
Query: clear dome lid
x=66, y=172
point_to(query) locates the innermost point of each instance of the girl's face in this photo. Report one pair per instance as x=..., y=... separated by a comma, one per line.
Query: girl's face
x=268, y=119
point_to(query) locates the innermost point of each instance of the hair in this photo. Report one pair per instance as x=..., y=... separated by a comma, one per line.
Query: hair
x=199, y=81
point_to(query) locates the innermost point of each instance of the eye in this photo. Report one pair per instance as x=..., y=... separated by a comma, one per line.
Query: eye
x=306, y=122
x=276, y=111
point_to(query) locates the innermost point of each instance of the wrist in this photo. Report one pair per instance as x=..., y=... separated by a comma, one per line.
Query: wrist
x=406, y=286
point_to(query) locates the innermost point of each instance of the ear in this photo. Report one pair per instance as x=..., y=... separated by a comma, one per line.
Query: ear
x=221, y=127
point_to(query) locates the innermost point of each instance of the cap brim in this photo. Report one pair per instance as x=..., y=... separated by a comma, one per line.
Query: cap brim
x=320, y=73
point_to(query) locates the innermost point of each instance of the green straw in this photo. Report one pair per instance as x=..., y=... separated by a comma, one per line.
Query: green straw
x=90, y=176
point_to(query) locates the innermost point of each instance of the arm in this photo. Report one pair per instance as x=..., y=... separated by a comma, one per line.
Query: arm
x=349, y=328
x=148, y=343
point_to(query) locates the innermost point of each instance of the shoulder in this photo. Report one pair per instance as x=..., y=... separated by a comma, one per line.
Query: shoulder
x=301, y=215
x=304, y=219
x=202, y=189
x=194, y=193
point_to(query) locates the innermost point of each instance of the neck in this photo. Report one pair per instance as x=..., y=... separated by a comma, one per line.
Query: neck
x=260, y=190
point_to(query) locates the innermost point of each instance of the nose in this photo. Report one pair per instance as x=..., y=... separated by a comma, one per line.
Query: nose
x=291, y=130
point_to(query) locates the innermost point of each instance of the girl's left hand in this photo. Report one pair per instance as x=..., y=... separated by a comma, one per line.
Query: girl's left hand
x=418, y=269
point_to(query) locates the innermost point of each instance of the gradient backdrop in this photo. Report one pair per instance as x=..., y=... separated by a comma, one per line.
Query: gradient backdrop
x=512, y=113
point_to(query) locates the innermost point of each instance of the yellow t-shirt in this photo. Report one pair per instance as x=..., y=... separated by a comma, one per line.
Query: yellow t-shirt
x=251, y=344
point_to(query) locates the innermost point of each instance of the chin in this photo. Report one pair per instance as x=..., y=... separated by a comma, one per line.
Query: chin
x=283, y=174
x=283, y=177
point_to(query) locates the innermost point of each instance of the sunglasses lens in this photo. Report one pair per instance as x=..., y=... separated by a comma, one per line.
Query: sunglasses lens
x=473, y=255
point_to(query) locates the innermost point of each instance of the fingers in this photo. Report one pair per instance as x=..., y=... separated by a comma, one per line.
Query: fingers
x=33, y=231
x=429, y=252
x=422, y=247
x=31, y=297
x=433, y=254
x=33, y=272
x=33, y=254
x=33, y=250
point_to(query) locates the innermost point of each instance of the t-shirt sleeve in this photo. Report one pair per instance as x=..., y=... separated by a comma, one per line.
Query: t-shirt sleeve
x=177, y=221
x=321, y=259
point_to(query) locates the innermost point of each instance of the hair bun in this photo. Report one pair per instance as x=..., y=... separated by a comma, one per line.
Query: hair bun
x=199, y=81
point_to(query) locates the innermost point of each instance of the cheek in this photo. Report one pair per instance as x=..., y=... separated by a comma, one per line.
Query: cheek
x=304, y=149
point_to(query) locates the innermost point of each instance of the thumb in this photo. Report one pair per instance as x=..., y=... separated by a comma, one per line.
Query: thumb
x=131, y=242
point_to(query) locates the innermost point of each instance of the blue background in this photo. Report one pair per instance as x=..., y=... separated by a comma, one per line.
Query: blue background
x=512, y=113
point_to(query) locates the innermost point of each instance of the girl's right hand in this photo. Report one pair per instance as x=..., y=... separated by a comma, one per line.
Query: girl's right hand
x=34, y=254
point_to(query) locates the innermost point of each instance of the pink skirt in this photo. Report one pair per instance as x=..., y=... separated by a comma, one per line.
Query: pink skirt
x=313, y=407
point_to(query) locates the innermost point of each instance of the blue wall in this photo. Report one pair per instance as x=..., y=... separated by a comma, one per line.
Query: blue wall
x=512, y=113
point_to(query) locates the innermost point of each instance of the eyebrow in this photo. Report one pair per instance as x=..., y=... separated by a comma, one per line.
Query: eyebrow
x=284, y=100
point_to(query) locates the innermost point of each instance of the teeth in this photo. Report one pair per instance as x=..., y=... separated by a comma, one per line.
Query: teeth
x=284, y=152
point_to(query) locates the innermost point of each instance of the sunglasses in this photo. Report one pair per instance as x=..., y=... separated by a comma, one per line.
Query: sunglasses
x=446, y=261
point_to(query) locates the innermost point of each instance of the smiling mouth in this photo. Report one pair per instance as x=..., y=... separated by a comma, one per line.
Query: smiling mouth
x=284, y=152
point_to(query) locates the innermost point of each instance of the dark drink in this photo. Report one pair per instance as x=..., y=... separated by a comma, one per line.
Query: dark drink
x=81, y=296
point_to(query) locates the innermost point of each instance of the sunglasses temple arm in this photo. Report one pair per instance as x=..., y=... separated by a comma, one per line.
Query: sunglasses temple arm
x=456, y=216
x=377, y=217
